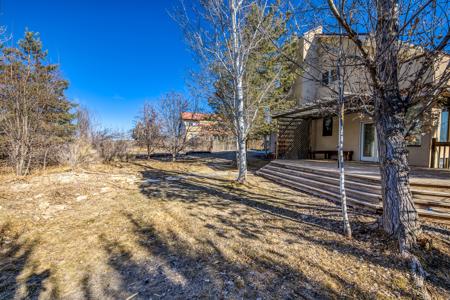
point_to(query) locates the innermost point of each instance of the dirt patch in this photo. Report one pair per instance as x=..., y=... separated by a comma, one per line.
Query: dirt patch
x=155, y=229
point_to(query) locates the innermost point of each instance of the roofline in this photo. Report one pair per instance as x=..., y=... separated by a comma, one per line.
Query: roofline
x=308, y=108
x=340, y=34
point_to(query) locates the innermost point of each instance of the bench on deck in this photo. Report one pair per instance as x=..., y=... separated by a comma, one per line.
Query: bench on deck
x=328, y=154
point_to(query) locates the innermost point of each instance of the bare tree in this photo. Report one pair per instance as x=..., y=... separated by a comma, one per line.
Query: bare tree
x=147, y=130
x=111, y=145
x=341, y=113
x=341, y=101
x=217, y=31
x=79, y=150
x=407, y=73
x=174, y=131
x=84, y=126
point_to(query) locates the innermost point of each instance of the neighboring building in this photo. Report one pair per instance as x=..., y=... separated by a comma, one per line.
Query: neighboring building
x=196, y=124
x=308, y=131
x=204, y=133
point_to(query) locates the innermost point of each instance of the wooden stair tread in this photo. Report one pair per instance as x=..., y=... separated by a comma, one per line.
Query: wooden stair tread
x=329, y=185
x=334, y=179
x=362, y=190
x=319, y=192
x=360, y=176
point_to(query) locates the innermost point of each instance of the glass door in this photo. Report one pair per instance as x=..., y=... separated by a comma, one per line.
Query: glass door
x=369, y=144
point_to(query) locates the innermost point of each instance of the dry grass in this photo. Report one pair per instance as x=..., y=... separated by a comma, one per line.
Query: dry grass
x=153, y=229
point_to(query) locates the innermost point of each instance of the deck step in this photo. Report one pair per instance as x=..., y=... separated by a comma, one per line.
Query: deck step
x=417, y=186
x=362, y=191
x=349, y=183
x=318, y=192
x=334, y=188
x=329, y=172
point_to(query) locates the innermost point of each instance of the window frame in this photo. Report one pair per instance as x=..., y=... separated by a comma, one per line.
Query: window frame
x=447, y=138
x=329, y=131
x=329, y=76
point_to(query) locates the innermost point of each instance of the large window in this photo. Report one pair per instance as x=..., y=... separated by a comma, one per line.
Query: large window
x=444, y=130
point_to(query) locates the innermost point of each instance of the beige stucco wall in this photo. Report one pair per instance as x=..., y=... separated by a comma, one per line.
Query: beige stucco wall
x=418, y=155
x=317, y=55
x=352, y=129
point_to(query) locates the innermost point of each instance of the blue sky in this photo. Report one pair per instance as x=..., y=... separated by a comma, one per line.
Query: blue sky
x=116, y=54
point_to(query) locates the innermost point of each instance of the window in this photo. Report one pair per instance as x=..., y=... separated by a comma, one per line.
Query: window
x=325, y=79
x=329, y=77
x=444, y=130
x=327, y=126
x=333, y=75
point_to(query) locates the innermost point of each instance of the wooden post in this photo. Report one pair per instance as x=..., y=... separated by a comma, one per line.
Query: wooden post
x=277, y=142
x=433, y=153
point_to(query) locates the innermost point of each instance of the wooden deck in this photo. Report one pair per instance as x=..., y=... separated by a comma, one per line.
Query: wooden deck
x=419, y=175
x=430, y=187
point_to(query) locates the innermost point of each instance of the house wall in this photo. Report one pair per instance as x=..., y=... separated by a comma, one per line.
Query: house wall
x=352, y=127
x=305, y=87
x=318, y=54
x=418, y=155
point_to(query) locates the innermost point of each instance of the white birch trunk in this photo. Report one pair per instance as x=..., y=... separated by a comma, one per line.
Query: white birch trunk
x=239, y=101
x=341, y=112
x=345, y=219
x=242, y=147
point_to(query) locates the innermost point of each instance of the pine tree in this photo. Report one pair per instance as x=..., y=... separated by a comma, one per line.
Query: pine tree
x=37, y=115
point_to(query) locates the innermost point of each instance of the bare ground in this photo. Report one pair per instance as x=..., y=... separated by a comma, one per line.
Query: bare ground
x=154, y=229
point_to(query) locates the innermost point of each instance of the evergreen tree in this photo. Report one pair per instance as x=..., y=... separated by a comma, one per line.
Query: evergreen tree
x=36, y=114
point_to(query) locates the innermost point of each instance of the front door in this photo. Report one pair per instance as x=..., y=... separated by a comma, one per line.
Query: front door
x=369, y=144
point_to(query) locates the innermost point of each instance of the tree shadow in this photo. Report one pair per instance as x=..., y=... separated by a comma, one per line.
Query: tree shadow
x=226, y=160
x=200, y=190
x=14, y=258
x=177, y=269
x=221, y=194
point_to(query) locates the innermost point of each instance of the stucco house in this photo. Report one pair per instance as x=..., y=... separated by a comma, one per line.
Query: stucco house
x=305, y=145
x=309, y=131
x=204, y=134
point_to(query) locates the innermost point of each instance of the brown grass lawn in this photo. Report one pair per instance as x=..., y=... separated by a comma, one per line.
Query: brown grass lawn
x=154, y=229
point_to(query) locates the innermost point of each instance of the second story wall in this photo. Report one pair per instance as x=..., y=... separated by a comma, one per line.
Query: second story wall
x=318, y=55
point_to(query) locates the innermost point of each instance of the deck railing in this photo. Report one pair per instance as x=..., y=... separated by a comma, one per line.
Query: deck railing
x=440, y=154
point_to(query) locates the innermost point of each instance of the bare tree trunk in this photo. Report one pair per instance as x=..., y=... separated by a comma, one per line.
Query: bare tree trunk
x=45, y=159
x=21, y=159
x=239, y=78
x=27, y=170
x=399, y=213
x=241, y=140
x=148, y=151
x=237, y=152
x=341, y=112
x=345, y=219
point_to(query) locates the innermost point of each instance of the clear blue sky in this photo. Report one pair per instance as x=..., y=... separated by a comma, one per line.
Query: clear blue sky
x=115, y=53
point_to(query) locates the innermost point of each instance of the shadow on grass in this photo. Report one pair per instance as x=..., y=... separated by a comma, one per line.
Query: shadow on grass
x=176, y=269
x=199, y=191
x=14, y=258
